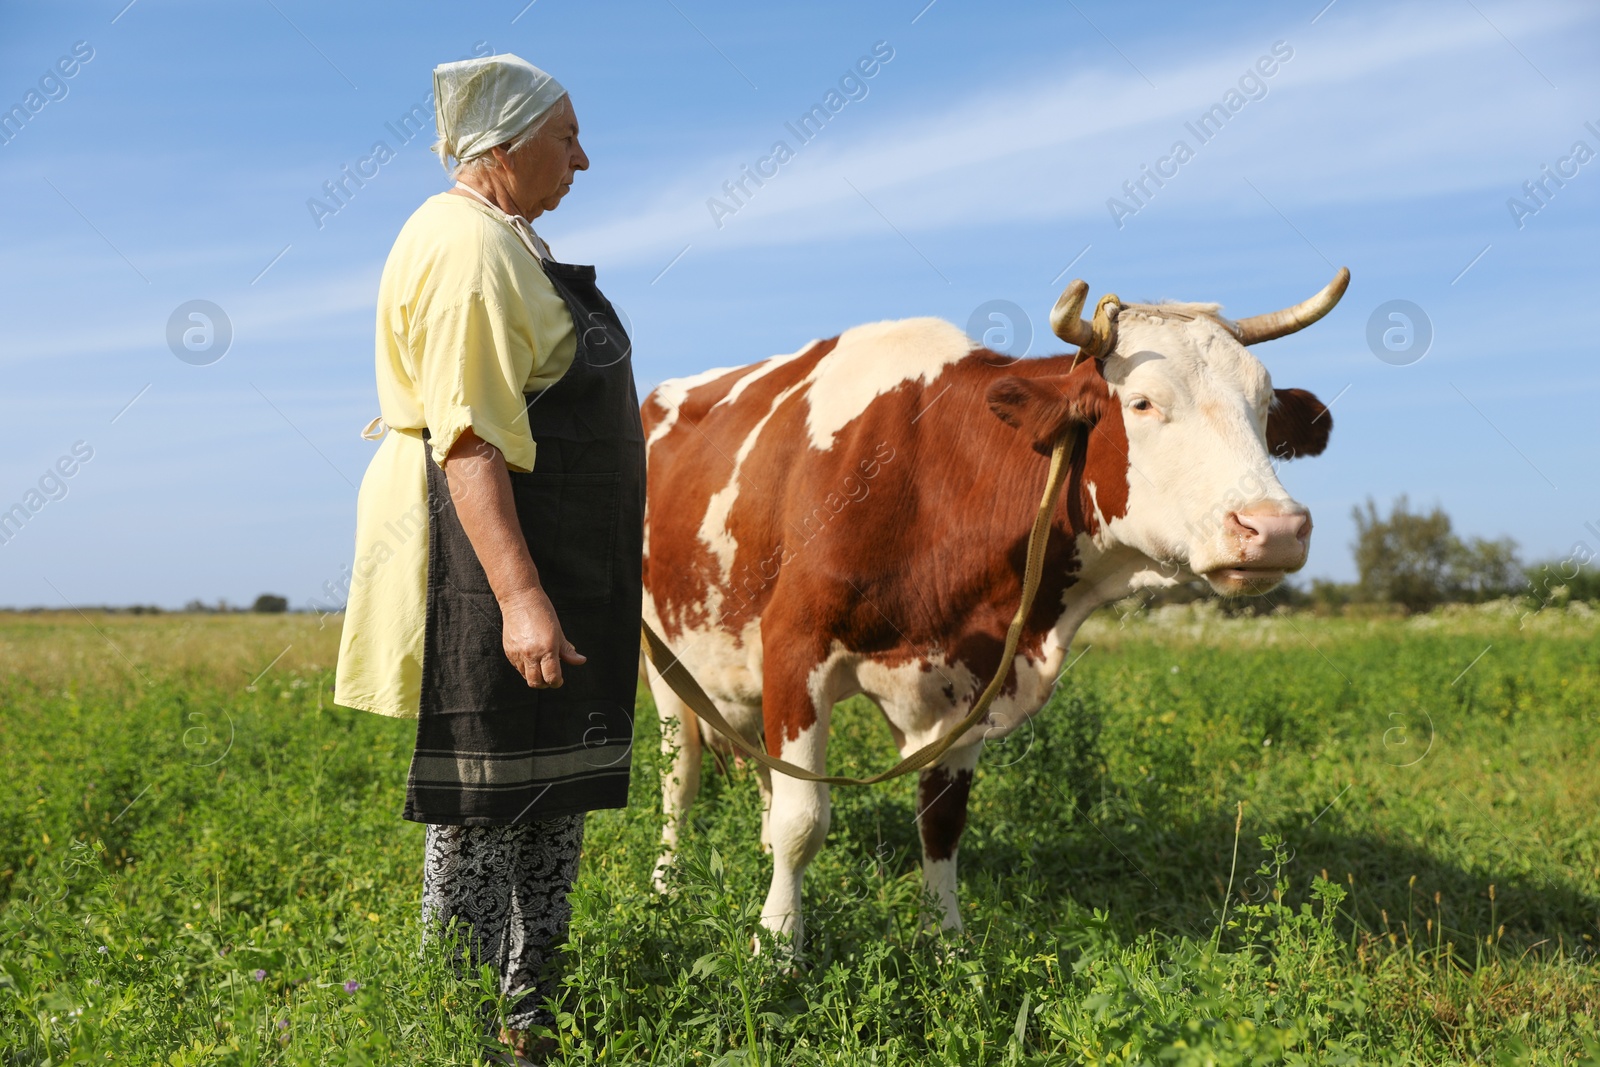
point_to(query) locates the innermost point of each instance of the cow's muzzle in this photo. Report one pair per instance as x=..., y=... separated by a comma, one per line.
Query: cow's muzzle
x=1265, y=541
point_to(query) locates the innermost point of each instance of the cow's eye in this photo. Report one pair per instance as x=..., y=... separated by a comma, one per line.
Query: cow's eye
x=1140, y=404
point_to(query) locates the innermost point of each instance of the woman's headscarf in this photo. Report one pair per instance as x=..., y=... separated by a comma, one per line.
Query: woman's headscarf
x=480, y=103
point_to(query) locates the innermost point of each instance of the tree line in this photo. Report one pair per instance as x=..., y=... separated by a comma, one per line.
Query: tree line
x=1416, y=562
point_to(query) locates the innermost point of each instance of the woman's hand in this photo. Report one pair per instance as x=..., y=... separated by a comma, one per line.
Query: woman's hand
x=533, y=640
x=480, y=488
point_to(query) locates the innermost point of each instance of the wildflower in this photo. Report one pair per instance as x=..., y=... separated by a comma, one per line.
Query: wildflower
x=351, y=985
x=283, y=1024
x=103, y=951
x=261, y=976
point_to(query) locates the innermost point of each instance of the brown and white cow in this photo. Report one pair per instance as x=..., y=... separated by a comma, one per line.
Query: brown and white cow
x=853, y=518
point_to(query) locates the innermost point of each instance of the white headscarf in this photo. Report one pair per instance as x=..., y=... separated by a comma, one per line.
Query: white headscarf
x=480, y=103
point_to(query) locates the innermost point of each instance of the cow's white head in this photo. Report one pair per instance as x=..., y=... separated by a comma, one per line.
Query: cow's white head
x=1184, y=425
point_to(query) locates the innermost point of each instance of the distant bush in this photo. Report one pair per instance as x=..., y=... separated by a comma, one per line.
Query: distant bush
x=1416, y=561
x=1559, y=582
x=270, y=603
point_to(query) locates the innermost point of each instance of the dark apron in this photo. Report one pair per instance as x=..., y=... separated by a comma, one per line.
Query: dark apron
x=491, y=750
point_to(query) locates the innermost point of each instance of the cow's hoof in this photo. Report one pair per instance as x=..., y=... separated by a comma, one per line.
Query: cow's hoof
x=948, y=944
x=782, y=952
x=941, y=923
x=952, y=950
x=659, y=879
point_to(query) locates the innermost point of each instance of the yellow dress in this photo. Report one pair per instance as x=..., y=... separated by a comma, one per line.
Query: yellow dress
x=467, y=323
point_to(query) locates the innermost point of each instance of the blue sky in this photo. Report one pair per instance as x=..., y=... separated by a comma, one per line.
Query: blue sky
x=177, y=164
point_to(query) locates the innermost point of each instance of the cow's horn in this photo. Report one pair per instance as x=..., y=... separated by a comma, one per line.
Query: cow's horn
x=1277, y=324
x=1064, y=317
x=1095, y=338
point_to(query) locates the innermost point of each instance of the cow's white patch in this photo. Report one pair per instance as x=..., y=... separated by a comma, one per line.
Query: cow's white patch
x=714, y=529
x=924, y=699
x=1099, y=512
x=921, y=698
x=727, y=665
x=680, y=782
x=797, y=825
x=671, y=394
x=940, y=878
x=871, y=360
x=762, y=369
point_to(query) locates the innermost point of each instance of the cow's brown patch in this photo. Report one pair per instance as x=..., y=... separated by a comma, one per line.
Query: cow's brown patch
x=1104, y=468
x=1298, y=424
x=942, y=810
x=1041, y=408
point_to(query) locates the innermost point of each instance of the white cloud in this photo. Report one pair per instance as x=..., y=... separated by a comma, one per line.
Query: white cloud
x=1334, y=126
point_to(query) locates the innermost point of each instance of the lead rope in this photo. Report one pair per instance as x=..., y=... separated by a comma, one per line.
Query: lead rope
x=677, y=676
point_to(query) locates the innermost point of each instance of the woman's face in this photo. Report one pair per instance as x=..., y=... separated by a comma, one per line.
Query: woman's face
x=541, y=171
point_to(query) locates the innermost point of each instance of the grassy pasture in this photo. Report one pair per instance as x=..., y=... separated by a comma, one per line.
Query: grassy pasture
x=201, y=862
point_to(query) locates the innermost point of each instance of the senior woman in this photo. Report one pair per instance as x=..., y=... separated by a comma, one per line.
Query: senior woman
x=496, y=590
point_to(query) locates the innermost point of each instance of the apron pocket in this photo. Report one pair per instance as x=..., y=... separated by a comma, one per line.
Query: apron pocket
x=570, y=521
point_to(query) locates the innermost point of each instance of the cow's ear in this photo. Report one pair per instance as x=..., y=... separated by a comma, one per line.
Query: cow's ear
x=1298, y=424
x=1042, y=407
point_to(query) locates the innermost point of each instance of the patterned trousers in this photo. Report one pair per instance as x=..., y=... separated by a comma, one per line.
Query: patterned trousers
x=507, y=885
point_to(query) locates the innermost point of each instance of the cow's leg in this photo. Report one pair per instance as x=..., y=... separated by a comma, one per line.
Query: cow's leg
x=941, y=816
x=680, y=779
x=798, y=820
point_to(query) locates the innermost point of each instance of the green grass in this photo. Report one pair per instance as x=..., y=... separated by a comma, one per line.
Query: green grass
x=1417, y=876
